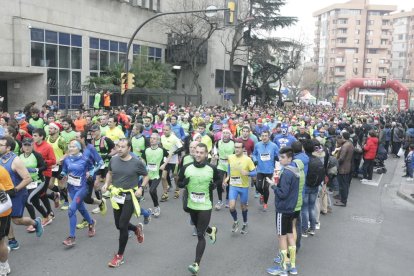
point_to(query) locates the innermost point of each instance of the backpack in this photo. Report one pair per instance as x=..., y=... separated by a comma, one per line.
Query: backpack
x=316, y=172
x=332, y=167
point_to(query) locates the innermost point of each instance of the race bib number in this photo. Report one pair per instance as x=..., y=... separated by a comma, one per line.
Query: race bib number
x=74, y=180
x=198, y=197
x=224, y=162
x=32, y=185
x=152, y=167
x=120, y=199
x=236, y=180
x=265, y=157
x=55, y=169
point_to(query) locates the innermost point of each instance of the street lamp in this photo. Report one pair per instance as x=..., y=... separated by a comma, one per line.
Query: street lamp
x=209, y=11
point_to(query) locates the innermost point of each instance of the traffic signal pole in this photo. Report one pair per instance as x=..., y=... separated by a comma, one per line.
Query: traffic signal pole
x=123, y=98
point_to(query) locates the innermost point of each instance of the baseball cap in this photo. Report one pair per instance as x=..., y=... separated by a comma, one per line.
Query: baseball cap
x=27, y=141
x=95, y=128
x=21, y=116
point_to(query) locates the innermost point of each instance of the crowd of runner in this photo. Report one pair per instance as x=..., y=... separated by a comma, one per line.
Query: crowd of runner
x=306, y=155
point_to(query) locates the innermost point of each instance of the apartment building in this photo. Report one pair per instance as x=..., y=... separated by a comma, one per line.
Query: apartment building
x=353, y=39
x=402, y=61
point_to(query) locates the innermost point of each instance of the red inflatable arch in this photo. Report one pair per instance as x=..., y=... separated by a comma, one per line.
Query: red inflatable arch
x=395, y=85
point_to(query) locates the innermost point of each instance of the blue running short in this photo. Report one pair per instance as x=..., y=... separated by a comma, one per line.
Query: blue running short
x=234, y=192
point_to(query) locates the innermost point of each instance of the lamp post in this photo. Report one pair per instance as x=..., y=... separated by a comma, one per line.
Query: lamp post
x=209, y=11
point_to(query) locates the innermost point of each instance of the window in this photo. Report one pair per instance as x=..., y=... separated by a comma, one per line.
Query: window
x=372, y=51
x=384, y=42
x=341, y=40
x=358, y=22
x=104, y=53
x=356, y=60
x=370, y=22
x=61, y=53
x=385, y=22
x=342, y=21
x=146, y=53
x=367, y=70
x=356, y=41
x=357, y=32
x=400, y=37
x=368, y=60
x=370, y=32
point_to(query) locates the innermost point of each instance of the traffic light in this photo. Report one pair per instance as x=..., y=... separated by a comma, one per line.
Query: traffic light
x=232, y=13
x=124, y=83
x=131, y=80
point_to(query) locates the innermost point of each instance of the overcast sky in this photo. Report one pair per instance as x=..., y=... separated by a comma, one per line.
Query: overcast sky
x=303, y=9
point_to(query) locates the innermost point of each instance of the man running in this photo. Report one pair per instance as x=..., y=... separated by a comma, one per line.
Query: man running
x=199, y=179
x=20, y=178
x=239, y=169
x=154, y=157
x=121, y=179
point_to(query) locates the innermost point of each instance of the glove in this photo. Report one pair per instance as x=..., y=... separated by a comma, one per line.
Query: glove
x=33, y=170
x=12, y=192
x=255, y=163
x=3, y=196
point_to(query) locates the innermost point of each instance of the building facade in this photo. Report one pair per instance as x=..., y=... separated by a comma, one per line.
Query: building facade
x=353, y=39
x=50, y=47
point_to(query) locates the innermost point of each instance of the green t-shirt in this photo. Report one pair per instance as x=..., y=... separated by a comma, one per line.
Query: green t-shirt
x=97, y=101
x=138, y=144
x=39, y=123
x=224, y=150
x=199, y=196
x=154, y=158
x=187, y=160
x=104, y=129
x=30, y=162
x=68, y=136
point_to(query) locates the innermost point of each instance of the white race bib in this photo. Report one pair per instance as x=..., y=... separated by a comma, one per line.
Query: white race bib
x=152, y=167
x=55, y=169
x=235, y=180
x=32, y=185
x=102, y=167
x=265, y=156
x=74, y=180
x=198, y=197
x=120, y=199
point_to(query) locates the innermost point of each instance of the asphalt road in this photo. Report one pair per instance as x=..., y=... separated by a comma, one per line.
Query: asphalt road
x=373, y=235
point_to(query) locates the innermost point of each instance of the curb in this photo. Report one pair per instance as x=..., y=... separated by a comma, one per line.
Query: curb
x=405, y=197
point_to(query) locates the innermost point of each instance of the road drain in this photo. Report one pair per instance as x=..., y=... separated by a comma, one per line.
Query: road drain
x=368, y=220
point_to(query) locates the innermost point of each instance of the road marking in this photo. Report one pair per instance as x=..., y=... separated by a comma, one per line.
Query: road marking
x=368, y=220
x=373, y=183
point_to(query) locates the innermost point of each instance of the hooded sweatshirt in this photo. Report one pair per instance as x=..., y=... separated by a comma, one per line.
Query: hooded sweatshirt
x=287, y=190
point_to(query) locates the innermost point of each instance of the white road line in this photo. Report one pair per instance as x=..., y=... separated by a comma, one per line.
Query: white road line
x=372, y=183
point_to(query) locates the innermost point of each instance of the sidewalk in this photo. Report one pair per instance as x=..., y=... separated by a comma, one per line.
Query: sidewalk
x=406, y=188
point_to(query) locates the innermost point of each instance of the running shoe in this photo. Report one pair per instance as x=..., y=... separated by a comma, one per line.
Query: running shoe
x=256, y=195
x=148, y=219
x=107, y=194
x=65, y=206
x=82, y=225
x=195, y=231
x=194, y=268
x=91, y=229
x=157, y=211
x=14, y=244
x=177, y=194
x=96, y=210
x=264, y=207
x=116, y=261
x=277, y=270
x=318, y=226
x=164, y=197
x=218, y=205
x=139, y=232
x=261, y=200
x=311, y=232
x=244, y=229
x=278, y=259
x=4, y=269
x=103, y=208
x=235, y=227
x=30, y=229
x=292, y=270
x=39, y=227
x=56, y=199
x=305, y=234
x=69, y=242
x=47, y=221
x=213, y=235
x=227, y=203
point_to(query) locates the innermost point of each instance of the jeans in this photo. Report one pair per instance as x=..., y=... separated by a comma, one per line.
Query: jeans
x=308, y=212
x=344, y=181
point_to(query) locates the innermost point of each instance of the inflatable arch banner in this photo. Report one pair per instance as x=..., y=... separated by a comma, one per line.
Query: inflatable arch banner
x=395, y=85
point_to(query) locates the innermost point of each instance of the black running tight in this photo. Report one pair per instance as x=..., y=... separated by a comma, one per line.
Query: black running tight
x=122, y=217
x=201, y=219
x=262, y=186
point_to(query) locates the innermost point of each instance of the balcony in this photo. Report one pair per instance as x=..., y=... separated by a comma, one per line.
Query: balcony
x=339, y=73
x=180, y=48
